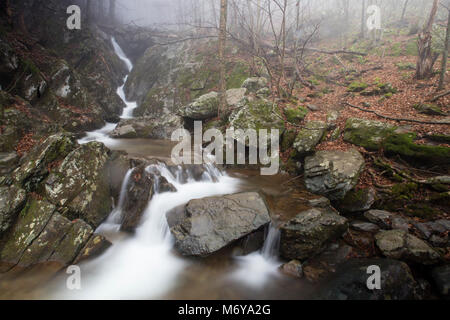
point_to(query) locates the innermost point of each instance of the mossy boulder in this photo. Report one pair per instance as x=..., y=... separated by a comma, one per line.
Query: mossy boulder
x=404, y=146
x=333, y=173
x=309, y=232
x=12, y=200
x=295, y=114
x=80, y=184
x=309, y=137
x=367, y=133
x=255, y=84
x=30, y=223
x=34, y=166
x=205, y=107
x=430, y=109
x=358, y=200
x=357, y=86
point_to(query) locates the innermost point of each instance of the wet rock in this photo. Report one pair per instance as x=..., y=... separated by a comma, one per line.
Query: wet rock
x=80, y=184
x=309, y=137
x=310, y=232
x=364, y=226
x=31, y=222
x=8, y=162
x=350, y=282
x=75, y=240
x=96, y=246
x=210, y=224
x=148, y=127
x=34, y=167
x=321, y=202
x=333, y=173
x=251, y=243
x=118, y=167
x=441, y=277
x=322, y=265
x=293, y=268
x=255, y=84
x=45, y=244
x=140, y=190
x=398, y=244
x=358, y=200
x=381, y=218
x=12, y=200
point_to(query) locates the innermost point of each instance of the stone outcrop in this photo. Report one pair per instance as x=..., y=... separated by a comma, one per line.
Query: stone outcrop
x=148, y=127
x=210, y=224
x=333, y=173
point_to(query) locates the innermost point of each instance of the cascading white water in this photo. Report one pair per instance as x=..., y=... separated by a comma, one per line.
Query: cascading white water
x=102, y=135
x=143, y=266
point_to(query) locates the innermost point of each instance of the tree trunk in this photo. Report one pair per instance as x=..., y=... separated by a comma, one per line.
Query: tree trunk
x=405, y=6
x=363, y=19
x=426, y=58
x=222, y=62
x=112, y=11
x=445, y=55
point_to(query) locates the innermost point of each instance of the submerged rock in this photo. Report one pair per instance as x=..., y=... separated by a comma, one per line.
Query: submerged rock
x=310, y=232
x=333, y=173
x=81, y=185
x=399, y=244
x=350, y=282
x=12, y=200
x=208, y=225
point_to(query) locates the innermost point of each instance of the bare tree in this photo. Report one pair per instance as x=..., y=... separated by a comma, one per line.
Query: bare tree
x=222, y=62
x=427, y=57
x=445, y=54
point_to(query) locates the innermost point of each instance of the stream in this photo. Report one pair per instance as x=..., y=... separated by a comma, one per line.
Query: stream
x=145, y=265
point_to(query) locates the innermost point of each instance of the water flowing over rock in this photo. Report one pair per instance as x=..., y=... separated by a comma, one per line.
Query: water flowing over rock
x=208, y=225
x=148, y=127
x=143, y=184
x=12, y=200
x=350, y=282
x=310, y=231
x=80, y=184
x=333, y=173
x=399, y=244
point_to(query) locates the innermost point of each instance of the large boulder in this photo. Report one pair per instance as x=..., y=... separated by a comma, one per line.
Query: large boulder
x=367, y=133
x=310, y=232
x=309, y=137
x=255, y=84
x=34, y=166
x=333, y=173
x=12, y=200
x=80, y=184
x=148, y=127
x=205, y=107
x=30, y=224
x=210, y=224
x=399, y=244
x=350, y=282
